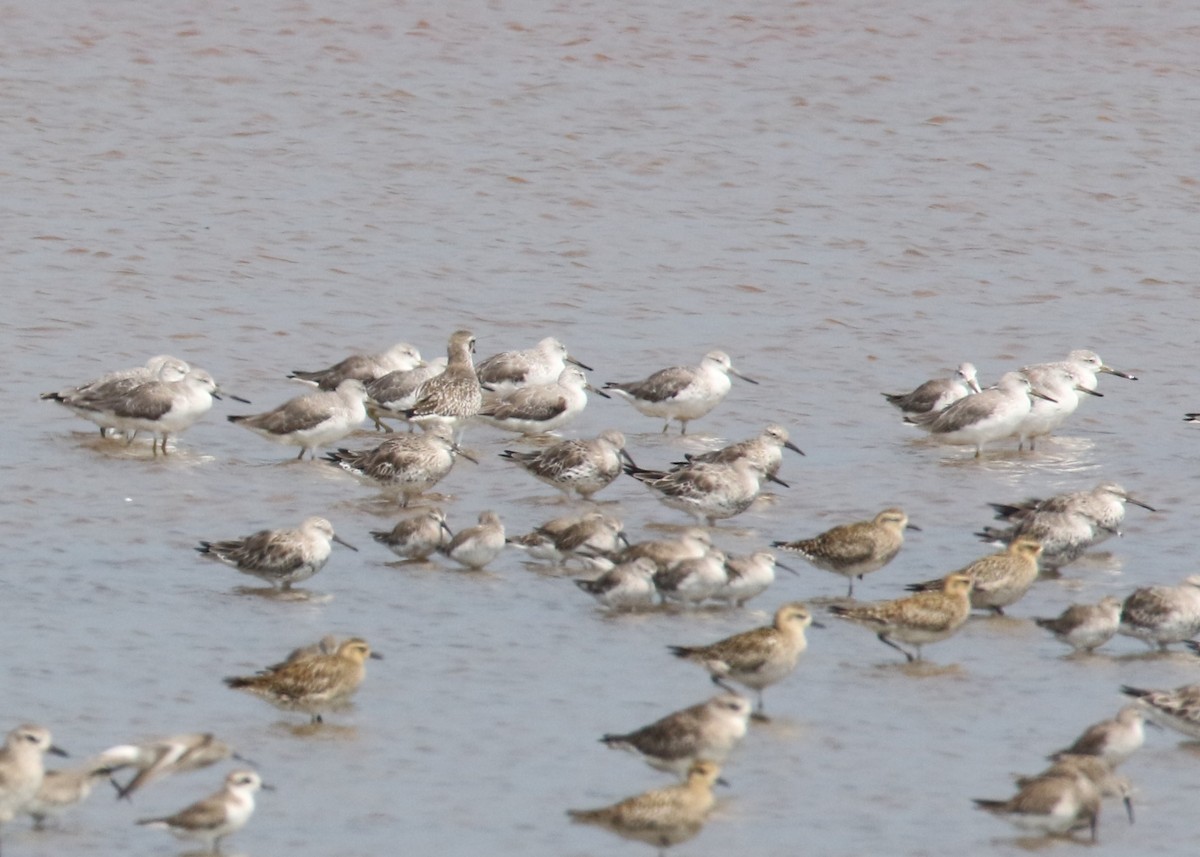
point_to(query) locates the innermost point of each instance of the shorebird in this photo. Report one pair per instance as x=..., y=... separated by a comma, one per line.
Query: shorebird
x=454, y=396
x=1161, y=615
x=311, y=681
x=681, y=393
x=280, y=557
x=416, y=538
x=511, y=370
x=1085, y=627
x=1106, y=781
x=1054, y=804
x=935, y=395
x=667, y=553
x=708, y=491
x=628, y=586
x=408, y=464
x=363, y=367
x=210, y=820
x=1178, y=709
x=757, y=658
x=474, y=547
x=709, y=730
x=168, y=405
x=582, y=466
x=853, y=550
x=1113, y=740
x=748, y=576
x=540, y=408
x=764, y=449
x=1065, y=535
x=1060, y=398
x=1103, y=505
x=999, y=579
x=173, y=754
x=312, y=420
x=926, y=617
x=22, y=767
x=662, y=817
x=1082, y=365
x=694, y=580
x=60, y=790
x=994, y=414
x=391, y=395
x=114, y=385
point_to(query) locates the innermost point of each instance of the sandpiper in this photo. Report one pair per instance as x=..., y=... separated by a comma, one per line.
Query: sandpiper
x=681, y=393
x=312, y=420
x=363, y=367
x=935, y=395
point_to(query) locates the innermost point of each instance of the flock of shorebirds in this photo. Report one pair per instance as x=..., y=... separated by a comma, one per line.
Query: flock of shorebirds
x=540, y=390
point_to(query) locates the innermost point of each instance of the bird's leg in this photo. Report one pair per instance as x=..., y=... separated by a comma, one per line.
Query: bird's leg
x=720, y=682
x=883, y=639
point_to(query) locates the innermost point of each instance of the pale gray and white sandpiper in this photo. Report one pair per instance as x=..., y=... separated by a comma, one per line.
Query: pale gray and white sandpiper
x=416, y=538
x=994, y=414
x=312, y=420
x=681, y=393
x=1113, y=740
x=222, y=813
x=1082, y=365
x=114, y=385
x=511, y=370
x=693, y=581
x=1059, y=400
x=159, y=757
x=166, y=406
x=1054, y=804
x=1085, y=627
x=940, y=393
x=391, y=395
x=748, y=576
x=363, y=367
x=625, y=587
x=540, y=408
x=474, y=547
x=667, y=553
x=22, y=767
x=1161, y=615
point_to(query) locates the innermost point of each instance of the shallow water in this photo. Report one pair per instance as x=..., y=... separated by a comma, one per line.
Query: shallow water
x=846, y=197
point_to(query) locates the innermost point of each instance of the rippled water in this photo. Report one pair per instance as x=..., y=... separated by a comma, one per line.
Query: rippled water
x=848, y=197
